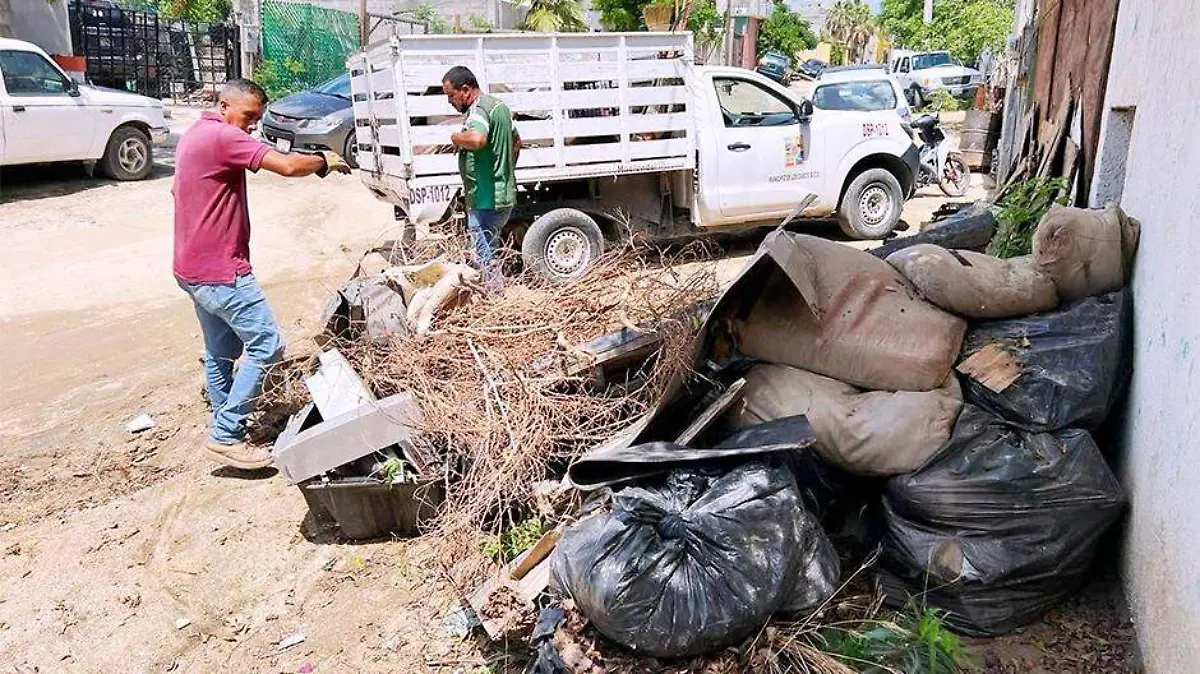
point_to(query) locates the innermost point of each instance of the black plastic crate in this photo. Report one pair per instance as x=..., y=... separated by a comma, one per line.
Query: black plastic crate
x=364, y=507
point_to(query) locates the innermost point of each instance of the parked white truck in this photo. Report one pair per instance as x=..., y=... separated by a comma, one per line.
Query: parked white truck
x=622, y=132
x=46, y=117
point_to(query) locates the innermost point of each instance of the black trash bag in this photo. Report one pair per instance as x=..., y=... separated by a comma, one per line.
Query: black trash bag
x=828, y=491
x=697, y=561
x=999, y=525
x=1076, y=361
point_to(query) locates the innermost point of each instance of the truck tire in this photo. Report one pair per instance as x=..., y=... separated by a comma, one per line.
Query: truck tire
x=562, y=244
x=128, y=155
x=348, y=149
x=872, y=205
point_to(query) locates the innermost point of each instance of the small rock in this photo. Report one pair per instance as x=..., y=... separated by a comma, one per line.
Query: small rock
x=292, y=640
x=142, y=422
x=181, y=623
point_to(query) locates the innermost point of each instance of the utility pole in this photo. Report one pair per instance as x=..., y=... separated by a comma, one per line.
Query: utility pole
x=364, y=25
x=928, y=12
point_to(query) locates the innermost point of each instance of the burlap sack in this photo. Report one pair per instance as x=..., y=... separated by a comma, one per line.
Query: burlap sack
x=846, y=314
x=867, y=433
x=976, y=285
x=1087, y=252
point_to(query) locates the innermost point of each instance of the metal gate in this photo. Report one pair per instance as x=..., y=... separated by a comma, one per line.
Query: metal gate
x=152, y=55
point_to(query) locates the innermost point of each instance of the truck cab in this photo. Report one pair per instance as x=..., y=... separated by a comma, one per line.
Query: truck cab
x=45, y=116
x=921, y=74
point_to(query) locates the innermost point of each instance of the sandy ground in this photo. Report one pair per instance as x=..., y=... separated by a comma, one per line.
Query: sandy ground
x=130, y=553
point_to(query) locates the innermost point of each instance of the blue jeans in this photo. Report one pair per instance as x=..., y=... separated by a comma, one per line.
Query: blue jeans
x=485, y=228
x=235, y=318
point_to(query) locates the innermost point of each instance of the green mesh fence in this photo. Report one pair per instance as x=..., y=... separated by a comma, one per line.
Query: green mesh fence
x=303, y=45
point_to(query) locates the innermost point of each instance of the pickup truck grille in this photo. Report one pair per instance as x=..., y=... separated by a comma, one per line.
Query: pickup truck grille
x=966, y=79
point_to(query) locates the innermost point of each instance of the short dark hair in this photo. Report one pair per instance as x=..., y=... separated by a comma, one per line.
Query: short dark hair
x=244, y=87
x=461, y=76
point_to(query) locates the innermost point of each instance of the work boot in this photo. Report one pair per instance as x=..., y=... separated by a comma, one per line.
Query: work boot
x=240, y=455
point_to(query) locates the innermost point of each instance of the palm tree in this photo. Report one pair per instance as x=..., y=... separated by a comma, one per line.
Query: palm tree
x=554, y=16
x=850, y=24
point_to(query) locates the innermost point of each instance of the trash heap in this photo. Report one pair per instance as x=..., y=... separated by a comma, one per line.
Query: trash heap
x=957, y=392
x=685, y=452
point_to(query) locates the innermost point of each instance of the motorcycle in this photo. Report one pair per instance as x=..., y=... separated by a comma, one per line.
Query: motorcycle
x=940, y=162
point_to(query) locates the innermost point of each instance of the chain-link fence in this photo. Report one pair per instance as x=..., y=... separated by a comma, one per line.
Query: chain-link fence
x=303, y=45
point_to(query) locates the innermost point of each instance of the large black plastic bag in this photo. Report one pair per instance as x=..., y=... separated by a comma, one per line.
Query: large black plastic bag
x=999, y=525
x=697, y=561
x=1076, y=360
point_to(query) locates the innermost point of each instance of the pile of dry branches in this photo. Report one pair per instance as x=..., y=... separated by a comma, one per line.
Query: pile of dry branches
x=501, y=408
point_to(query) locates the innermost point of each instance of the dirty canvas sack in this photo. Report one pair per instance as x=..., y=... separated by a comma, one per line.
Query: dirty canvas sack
x=1086, y=251
x=976, y=285
x=866, y=433
x=1000, y=525
x=1073, y=363
x=696, y=561
x=840, y=312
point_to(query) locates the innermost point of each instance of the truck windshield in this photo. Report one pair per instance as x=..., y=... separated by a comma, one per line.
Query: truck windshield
x=859, y=96
x=923, y=61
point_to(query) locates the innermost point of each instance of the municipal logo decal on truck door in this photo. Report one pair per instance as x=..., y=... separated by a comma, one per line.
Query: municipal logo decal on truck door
x=794, y=151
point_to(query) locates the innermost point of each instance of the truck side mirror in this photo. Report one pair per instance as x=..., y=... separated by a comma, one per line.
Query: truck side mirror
x=805, y=110
x=72, y=87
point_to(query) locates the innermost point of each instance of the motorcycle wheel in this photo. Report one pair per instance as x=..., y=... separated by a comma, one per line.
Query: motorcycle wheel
x=956, y=176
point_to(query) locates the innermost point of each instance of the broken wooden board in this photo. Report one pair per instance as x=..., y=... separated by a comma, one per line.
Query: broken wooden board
x=993, y=366
x=710, y=414
x=529, y=559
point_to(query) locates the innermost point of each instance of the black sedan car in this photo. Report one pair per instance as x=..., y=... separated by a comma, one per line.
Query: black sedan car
x=812, y=68
x=321, y=118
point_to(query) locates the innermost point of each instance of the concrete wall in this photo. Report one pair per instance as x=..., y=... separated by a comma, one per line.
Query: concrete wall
x=1152, y=105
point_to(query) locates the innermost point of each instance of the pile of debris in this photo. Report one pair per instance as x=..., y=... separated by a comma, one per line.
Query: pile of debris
x=690, y=472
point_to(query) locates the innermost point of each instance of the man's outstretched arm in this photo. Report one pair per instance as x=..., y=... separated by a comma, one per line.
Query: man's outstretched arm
x=295, y=165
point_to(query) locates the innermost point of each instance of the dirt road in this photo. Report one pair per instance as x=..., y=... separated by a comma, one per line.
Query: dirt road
x=129, y=553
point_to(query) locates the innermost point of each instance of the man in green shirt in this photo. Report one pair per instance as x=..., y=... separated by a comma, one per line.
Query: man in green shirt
x=488, y=146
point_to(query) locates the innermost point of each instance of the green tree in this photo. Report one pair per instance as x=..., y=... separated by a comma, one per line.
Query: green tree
x=707, y=25
x=965, y=28
x=850, y=25
x=426, y=12
x=201, y=11
x=785, y=32
x=554, y=16
x=621, y=15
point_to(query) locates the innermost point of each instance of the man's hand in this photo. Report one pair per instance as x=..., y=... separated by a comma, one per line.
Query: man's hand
x=334, y=163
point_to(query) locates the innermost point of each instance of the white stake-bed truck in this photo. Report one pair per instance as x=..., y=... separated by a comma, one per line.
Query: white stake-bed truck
x=620, y=132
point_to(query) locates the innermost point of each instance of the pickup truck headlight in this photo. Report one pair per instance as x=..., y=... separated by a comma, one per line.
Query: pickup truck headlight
x=321, y=125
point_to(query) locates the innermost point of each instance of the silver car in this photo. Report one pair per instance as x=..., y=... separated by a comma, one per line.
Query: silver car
x=321, y=118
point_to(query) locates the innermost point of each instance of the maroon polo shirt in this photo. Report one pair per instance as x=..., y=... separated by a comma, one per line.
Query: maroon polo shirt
x=212, y=219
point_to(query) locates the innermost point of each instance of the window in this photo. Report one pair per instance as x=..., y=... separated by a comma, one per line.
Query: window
x=29, y=74
x=859, y=96
x=744, y=103
x=903, y=65
x=340, y=87
x=931, y=60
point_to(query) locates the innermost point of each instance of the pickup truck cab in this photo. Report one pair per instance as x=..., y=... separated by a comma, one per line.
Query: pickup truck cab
x=45, y=116
x=921, y=74
x=623, y=134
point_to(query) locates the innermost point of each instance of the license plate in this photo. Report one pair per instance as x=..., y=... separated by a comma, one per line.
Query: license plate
x=283, y=144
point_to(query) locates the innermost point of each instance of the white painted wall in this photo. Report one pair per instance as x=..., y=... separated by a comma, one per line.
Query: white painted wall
x=1156, y=67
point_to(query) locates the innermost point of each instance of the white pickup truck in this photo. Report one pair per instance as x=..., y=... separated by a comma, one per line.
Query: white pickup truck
x=622, y=132
x=46, y=117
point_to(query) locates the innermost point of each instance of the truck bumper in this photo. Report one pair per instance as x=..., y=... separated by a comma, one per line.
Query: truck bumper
x=912, y=159
x=159, y=135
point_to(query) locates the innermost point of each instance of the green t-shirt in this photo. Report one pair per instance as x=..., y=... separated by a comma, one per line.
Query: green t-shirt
x=488, y=176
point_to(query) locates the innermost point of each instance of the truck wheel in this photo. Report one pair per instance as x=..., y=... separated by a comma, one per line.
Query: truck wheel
x=872, y=205
x=562, y=244
x=128, y=155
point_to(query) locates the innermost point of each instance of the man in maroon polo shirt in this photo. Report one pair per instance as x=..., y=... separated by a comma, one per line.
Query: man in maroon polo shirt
x=212, y=259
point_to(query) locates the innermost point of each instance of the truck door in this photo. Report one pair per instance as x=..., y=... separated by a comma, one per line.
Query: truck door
x=43, y=121
x=764, y=151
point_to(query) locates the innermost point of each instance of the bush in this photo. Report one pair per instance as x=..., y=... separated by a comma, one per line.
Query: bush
x=1021, y=210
